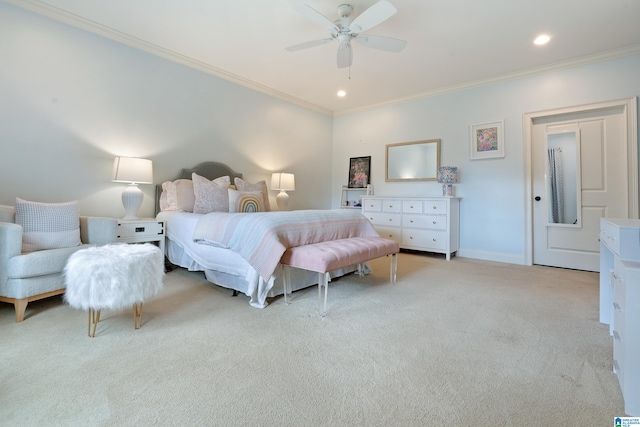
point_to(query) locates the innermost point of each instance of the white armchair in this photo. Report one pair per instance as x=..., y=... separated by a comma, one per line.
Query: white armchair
x=26, y=277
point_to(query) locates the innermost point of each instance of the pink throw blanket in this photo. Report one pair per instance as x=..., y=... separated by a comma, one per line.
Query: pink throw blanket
x=262, y=238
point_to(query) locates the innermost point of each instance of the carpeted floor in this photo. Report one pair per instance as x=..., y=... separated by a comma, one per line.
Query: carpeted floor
x=463, y=342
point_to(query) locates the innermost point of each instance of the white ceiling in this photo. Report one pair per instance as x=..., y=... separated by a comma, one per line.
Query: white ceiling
x=451, y=44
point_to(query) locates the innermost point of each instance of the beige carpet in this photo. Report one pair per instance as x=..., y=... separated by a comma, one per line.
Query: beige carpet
x=453, y=343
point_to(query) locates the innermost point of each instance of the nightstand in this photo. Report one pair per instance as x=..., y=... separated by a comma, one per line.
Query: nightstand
x=144, y=230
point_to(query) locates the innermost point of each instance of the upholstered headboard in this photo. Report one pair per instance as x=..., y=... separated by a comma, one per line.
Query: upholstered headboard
x=209, y=170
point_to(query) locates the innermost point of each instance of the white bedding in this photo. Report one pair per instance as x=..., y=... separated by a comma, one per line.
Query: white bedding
x=225, y=267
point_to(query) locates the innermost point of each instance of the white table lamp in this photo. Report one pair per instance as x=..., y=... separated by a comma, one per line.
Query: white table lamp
x=134, y=171
x=283, y=182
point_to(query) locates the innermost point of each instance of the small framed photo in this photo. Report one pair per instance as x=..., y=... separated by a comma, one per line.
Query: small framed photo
x=487, y=140
x=359, y=172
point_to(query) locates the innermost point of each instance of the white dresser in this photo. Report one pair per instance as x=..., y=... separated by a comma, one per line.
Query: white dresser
x=620, y=302
x=428, y=224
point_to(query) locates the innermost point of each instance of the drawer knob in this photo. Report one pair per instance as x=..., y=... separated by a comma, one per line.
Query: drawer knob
x=434, y=222
x=390, y=235
x=434, y=239
x=410, y=237
x=411, y=221
x=434, y=207
x=390, y=220
x=411, y=207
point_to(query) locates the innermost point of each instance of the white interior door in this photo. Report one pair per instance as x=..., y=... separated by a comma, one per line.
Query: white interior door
x=590, y=180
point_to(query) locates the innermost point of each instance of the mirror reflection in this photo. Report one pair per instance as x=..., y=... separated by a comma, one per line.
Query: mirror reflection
x=563, y=178
x=413, y=161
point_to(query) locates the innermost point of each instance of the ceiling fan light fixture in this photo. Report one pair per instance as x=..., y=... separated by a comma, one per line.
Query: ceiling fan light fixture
x=344, y=29
x=341, y=93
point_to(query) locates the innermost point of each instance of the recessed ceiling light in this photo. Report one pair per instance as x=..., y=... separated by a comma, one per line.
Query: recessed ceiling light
x=542, y=39
x=341, y=93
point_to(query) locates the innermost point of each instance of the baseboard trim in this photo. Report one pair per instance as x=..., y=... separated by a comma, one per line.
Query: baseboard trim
x=492, y=256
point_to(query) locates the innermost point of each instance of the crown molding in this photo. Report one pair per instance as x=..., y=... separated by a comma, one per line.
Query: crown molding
x=112, y=34
x=117, y=36
x=534, y=71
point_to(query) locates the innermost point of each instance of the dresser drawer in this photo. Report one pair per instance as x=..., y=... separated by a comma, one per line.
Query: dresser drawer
x=372, y=205
x=619, y=359
x=438, y=222
x=412, y=206
x=424, y=239
x=618, y=282
x=610, y=235
x=389, y=205
x=435, y=207
x=393, y=233
x=384, y=219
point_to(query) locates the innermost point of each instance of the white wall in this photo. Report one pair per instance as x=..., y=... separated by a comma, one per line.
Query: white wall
x=493, y=190
x=71, y=101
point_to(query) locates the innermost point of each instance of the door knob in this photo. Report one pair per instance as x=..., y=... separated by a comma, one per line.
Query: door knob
x=538, y=198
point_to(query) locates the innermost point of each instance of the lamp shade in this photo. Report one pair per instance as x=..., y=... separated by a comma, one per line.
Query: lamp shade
x=448, y=174
x=283, y=181
x=132, y=170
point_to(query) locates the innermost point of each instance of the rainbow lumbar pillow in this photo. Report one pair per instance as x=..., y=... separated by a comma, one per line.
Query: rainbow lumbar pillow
x=245, y=201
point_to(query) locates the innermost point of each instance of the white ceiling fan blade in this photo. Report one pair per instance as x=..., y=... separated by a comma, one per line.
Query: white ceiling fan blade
x=382, y=43
x=373, y=16
x=315, y=16
x=307, y=45
x=345, y=56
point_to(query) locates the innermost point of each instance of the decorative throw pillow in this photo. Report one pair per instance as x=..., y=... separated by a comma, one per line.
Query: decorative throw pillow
x=185, y=196
x=258, y=186
x=169, y=197
x=48, y=225
x=248, y=201
x=211, y=196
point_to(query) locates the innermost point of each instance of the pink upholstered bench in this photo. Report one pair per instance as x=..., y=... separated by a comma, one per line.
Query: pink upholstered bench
x=328, y=256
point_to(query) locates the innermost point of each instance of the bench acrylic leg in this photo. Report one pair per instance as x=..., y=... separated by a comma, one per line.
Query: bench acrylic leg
x=323, y=280
x=286, y=284
x=393, y=268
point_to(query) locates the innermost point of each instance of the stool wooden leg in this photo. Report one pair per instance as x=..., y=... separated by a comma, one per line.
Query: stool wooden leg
x=94, y=317
x=137, y=316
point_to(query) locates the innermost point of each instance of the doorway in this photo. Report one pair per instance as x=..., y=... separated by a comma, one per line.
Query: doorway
x=594, y=148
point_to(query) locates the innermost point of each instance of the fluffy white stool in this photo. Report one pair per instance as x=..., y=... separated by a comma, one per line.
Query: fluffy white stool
x=113, y=277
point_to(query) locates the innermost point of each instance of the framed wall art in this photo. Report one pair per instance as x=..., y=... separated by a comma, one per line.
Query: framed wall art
x=487, y=140
x=359, y=172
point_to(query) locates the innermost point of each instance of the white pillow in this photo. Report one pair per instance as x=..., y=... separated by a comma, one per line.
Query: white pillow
x=258, y=186
x=48, y=225
x=211, y=196
x=248, y=201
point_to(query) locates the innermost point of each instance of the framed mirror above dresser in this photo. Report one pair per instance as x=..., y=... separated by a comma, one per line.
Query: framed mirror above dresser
x=413, y=161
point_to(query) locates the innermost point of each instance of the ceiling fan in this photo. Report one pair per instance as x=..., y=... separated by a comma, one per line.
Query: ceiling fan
x=345, y=29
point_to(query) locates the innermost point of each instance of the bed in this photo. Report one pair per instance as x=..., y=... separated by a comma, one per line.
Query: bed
x=240, y=251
